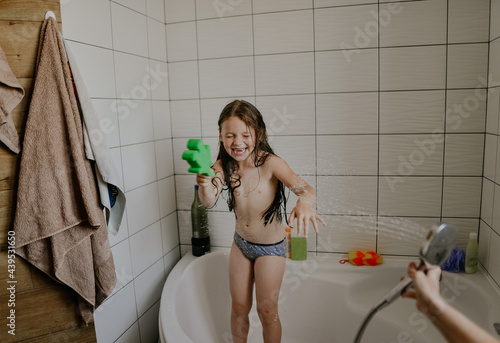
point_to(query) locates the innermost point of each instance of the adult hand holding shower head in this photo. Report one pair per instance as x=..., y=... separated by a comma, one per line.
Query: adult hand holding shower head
x=436, y=249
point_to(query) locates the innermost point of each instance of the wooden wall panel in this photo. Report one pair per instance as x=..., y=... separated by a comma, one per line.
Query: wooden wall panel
x=46, y=311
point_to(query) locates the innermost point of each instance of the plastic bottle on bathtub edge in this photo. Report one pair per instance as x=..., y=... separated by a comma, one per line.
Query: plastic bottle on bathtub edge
x=200, y=241
x=471, y=254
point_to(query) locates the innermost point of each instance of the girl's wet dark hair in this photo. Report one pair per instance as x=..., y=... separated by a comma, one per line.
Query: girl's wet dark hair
x=251, y=116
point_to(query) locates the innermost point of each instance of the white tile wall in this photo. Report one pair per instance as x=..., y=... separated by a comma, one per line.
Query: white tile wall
x=283, y=32
x=410, y=155
x=227, y=77
x=412, y=111
x=493, y=111
x=351, y=27
x=347, y=155
x=225, y=38
x=130, y=30
x=323, y=66
x=334, y=113
x=347, y=71
x=413, y=68
x=284, y=74
x=467, y=65
x=96, y=66
x=466, y=22
x=466, y=110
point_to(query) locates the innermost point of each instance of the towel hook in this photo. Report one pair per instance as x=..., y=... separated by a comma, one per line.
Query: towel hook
x=50, y=14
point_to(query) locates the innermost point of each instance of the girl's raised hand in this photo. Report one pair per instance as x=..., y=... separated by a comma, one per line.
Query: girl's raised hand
x=203, y=180
x=304, y=214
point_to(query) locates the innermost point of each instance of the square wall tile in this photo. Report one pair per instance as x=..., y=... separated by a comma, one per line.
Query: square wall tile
x=169, y=232
x=288, y=114
x=122, y=233
x=221, y=226
x=227, y=77
x=410, y=155
x=170, y=260
x=137, y=125
x=284, y=74
x=164, y=158
x=345, y=71
x=139, y=165
x=76, y=26
x=123, y=264
x=347, y=113
x=494, y=68
x=347, y=154
x=465, y=110
x=413, y=23
x=467, y=65
x=490, y=156
x=462, y=197
x=493, y=111
x=348, y=233
x=130, y=30
x=487, y=201
x=412, y=111
x=224, y=38
x=108, y=121
x=142, y=258
x=161, y=119
x=297, y=151
x=166, y=190
x=157, y=41
x=179, y=10
x=464, y=154
x=468, y=22
x=412, y=68
x=181, y=42
x=483, y=250
x=495, y=19
x=148, y=287
x=97, y=68
x=262, y=6
x=402, y=235
x=156, y=10
x=283, y=32
x=183, y=80
x=143, y=207
x=132, y=80
x=496, y=210
x=158, y=79
x=184, y=189
x=347, y=195
x=222, y=10
x=185, y=116
x=494, y=261
x=148, y=324
x=497, y=173
x=411, y=196
x=350, y=27
x=115, y=315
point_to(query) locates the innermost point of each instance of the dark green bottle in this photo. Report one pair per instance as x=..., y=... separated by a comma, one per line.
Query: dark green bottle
x=200, y=240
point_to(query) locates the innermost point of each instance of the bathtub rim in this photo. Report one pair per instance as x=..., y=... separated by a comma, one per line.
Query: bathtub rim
x=168, y=322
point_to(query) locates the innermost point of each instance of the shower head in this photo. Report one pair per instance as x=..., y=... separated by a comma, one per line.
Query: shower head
x=436, y=249
x=439, y=243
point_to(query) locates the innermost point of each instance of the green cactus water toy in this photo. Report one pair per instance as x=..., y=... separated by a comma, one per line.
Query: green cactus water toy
x=198, y=157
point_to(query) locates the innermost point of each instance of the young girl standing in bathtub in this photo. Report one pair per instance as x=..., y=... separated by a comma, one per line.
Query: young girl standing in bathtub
x=255, y=178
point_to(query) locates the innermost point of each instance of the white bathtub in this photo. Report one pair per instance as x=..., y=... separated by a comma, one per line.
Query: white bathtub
x=321, y=300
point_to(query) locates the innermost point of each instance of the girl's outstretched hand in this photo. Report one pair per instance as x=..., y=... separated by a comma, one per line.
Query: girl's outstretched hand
x=305, y=213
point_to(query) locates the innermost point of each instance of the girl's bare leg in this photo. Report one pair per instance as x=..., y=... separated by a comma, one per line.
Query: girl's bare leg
x=269, y=272
x=241, y=287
